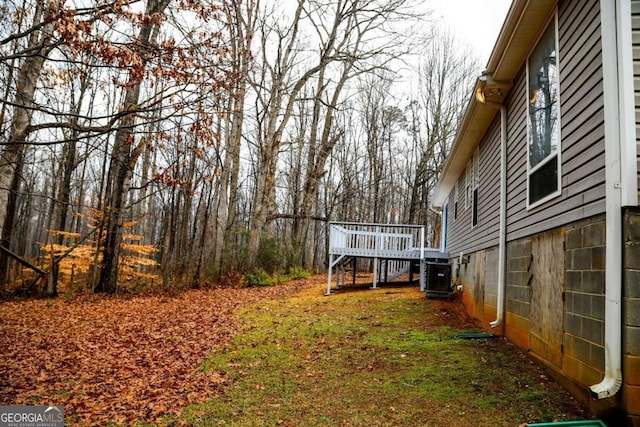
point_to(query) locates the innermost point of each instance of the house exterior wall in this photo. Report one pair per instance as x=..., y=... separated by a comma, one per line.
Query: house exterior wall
x=477, y=273
x=631, y=311
x=583, y=358
x=582, y=146
x=462, y=236
x=582, y=129
x=578, y=248
x=555, y=298
x=566, y=234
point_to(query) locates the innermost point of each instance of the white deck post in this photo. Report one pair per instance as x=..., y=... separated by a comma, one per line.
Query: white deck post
x=329, y=274
x=375, y=273
x=423, y=284
x=376, y=248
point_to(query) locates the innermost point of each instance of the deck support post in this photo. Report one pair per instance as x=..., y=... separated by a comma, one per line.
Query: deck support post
x=354, y=266
x=376, y=248
x=423, y=284
x=375, y=274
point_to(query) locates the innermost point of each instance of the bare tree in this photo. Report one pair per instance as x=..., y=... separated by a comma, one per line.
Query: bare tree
x=242, y=19
x=212, y=124
x=348, y=33
x=446, y=76
x=33, y=57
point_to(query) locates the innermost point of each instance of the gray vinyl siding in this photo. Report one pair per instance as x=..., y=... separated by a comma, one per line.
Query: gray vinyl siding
x=582, y=129
x=635, y=24
x=582, y=144
x=463, y=237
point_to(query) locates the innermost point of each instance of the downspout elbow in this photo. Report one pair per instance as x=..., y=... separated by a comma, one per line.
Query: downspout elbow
x=606, y=388
x=496, y=322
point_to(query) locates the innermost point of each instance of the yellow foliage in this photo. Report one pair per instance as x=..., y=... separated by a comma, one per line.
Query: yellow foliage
x=139, y=249
x=67, y=234
x=92, y=215
x=54, y=249
x=132, y=237
x=134, y=262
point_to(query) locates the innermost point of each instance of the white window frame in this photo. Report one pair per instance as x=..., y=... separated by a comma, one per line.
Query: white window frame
x=463, y=191
x=556, y=155
x=444, y=227
x=475, y=184
x=468, y=180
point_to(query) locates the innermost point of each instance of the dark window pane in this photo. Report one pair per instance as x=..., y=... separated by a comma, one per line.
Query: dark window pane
x=474, y=218
x=544, y=181
x=543, y=98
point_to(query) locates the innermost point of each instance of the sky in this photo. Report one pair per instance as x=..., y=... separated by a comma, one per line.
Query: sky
x=477, y=22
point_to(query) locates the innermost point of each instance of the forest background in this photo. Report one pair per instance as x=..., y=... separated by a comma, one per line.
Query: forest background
x=181, y=143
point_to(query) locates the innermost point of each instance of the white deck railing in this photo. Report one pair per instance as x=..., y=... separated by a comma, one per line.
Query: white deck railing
x=394, y=245
x=377, y=240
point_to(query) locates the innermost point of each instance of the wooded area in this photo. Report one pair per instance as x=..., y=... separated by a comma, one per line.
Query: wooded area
x=173, y=142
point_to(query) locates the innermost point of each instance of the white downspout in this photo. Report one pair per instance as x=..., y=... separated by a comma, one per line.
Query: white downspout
x=612, y=380
x=502, y=250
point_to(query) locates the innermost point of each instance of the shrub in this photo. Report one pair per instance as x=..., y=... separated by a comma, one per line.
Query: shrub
x=298, y=272
x=269, y=256
x=259, y=277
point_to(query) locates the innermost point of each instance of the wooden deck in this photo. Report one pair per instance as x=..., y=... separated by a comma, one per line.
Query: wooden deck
x=392, y=246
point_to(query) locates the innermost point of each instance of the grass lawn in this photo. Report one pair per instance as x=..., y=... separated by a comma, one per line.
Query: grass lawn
x=384, y=357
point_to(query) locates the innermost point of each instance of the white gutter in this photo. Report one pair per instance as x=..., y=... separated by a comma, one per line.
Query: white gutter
x=613, y=124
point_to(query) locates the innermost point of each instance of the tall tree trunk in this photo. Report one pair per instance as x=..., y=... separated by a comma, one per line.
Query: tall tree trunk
x=13, y=154
x=124, y=156
x=62, y=210
x=317, y=160
x=264, y=200
x=69, y=164
x=243, y=20
x=206, y=217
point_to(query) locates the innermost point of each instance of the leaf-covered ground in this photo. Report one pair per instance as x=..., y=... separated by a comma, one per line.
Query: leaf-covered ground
x=118, y=359
x=282, y=355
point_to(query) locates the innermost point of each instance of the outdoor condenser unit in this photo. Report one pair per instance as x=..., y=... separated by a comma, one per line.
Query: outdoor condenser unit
x=438, y=280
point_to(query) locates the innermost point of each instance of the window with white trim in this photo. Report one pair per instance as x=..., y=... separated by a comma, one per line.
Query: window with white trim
x=468, y=184
x=461, y=189
x=474, y=186
x=543, y=130
x=455, y=201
